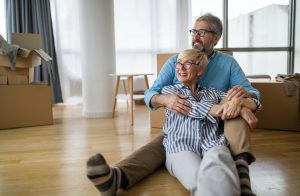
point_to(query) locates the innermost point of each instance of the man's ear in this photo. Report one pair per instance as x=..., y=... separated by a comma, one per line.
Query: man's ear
x=216, y=39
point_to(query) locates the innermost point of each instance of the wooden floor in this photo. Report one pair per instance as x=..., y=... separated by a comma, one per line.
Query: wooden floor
x=50, y=160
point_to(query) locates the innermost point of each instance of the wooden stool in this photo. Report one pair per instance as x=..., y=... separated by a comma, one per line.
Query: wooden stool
x=131, y=97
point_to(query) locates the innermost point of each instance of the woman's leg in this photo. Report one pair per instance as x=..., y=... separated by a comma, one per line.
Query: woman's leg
x=184, y=166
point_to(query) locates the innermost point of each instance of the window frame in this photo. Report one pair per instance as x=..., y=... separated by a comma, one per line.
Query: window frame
x=290, y=49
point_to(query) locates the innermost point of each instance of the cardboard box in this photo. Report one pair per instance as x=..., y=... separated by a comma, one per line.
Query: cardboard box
x=3, y=79
x=29, y=57
x=279, y=111
x=25, y=105
x=157, y=117
x=18, y=76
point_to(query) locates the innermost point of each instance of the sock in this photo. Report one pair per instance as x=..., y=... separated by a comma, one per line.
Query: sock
x=106, y=179
x=243, y=171
x=124, y=181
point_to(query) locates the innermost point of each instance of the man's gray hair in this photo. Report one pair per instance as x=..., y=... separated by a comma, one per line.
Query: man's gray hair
x=198, y=57
x=215, y=22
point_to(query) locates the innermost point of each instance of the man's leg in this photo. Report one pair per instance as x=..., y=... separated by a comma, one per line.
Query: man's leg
x=217, y=174
x=142, y=162
x=237, y=132
x=129, y=171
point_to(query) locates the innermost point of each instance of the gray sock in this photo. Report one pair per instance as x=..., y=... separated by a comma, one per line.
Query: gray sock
x=105, y=178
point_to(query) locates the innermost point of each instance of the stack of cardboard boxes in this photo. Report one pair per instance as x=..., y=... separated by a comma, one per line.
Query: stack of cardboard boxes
x=279, y=110
x=22, y=102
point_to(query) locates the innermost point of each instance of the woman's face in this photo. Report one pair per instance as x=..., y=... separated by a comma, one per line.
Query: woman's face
x=186, y=71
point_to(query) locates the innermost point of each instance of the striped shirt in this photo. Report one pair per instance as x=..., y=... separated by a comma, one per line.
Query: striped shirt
x=198, y=131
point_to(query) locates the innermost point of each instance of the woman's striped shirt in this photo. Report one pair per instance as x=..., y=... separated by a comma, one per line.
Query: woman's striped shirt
x=198, y=131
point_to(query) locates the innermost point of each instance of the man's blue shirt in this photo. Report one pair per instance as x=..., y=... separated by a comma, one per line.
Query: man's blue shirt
x=222, y=72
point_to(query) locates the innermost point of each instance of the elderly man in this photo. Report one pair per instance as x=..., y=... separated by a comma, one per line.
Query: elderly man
x=223, y=73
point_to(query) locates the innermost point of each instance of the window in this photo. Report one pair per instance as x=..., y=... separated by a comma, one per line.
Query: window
x=270, y=63
x=258, y=23
x=258, y=32
x=142, y=29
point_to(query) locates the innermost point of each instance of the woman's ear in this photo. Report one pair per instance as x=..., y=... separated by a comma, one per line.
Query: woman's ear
x=200, y=71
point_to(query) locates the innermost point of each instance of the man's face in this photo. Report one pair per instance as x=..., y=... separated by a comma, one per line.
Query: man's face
x=207, y=42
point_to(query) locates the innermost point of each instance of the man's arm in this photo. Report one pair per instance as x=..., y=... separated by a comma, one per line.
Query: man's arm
x=239, y=91
x=207, y=107
x=175, y=102
x=165, y=77
x=246, y=107
x=240, y=85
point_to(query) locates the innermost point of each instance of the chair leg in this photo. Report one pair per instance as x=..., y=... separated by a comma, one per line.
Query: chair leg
x=125, y=91
x=115, y=97
x=146, y=81
x=130, y=84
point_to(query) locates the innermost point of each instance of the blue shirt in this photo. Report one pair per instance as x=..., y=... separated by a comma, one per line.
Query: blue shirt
x=198, y=131
x=222, y=72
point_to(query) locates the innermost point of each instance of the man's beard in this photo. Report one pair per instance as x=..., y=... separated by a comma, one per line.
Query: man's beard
x=199, y=46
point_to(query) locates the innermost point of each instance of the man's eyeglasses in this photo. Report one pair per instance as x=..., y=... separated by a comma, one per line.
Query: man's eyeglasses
x=200, y=32
x=186, y=65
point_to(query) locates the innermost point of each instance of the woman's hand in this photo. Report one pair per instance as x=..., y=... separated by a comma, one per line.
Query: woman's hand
x=250, y=118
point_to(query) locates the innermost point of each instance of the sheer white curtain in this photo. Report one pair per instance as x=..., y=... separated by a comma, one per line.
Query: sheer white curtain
x=67, y=41
x=143, y=28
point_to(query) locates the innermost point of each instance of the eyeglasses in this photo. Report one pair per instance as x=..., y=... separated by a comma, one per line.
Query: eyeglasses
x=186, y=65
x=200, y=32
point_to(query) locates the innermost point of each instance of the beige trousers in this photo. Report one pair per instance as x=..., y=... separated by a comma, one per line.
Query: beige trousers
x=151, y=156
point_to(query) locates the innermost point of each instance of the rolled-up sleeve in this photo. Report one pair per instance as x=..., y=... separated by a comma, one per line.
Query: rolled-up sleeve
x=164, y=78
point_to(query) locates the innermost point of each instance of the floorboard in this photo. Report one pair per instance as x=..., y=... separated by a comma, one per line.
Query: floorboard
x=50, y=160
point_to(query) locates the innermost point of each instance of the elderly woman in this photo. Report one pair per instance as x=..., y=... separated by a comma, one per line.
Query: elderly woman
x=197, y=151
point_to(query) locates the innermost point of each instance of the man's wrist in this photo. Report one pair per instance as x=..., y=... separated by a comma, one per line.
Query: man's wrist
x=252, y=95
x=157, y=101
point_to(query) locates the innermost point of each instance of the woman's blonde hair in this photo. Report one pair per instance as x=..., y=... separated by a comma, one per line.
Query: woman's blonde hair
x=198, y=57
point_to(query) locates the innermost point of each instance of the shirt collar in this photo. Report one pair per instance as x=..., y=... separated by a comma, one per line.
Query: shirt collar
x=185, y=87
x=212, y=55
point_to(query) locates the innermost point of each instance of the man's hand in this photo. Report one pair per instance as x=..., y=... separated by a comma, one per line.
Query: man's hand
x=177, y=103
x=231, y=109
x=238, y=91
x=250, y=118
